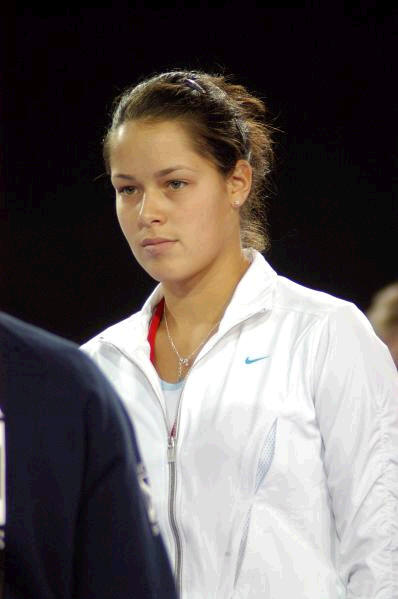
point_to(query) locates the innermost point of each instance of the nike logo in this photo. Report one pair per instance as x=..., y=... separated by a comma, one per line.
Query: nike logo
x=251, y=360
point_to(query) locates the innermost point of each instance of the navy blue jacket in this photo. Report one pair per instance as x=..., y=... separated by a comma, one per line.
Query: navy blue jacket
x=77, y=520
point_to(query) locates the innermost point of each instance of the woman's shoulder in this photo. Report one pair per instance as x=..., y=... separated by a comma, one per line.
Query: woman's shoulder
x=336, y=320
x=290, y=296
x=293, y=296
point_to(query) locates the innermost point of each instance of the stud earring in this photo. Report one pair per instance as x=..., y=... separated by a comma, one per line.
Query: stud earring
x=236, y=203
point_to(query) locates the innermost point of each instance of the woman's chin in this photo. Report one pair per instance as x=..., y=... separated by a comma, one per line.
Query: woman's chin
x=162, y=273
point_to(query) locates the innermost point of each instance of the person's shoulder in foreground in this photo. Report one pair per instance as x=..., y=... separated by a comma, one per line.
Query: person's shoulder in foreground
x=79, y=518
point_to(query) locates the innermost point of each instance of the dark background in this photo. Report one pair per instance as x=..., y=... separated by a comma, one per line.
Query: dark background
x=328, y=79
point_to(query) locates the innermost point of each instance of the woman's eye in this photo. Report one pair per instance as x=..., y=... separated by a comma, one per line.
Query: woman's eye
x=128, y=190
x=175, y=184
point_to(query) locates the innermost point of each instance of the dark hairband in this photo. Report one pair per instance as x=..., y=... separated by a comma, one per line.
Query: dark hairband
x=239, y=124
x=194, y=85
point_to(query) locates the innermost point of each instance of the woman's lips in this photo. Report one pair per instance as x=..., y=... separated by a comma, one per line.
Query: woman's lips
x=157, y=245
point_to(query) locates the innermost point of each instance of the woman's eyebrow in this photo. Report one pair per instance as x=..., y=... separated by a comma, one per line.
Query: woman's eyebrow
x=121, y=176
x=178, y=167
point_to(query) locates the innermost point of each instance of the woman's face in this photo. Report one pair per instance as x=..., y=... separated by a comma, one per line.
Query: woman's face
x=175, y=208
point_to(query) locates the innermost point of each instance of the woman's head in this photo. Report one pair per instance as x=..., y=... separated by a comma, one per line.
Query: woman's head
x=225, y=124
x=383, y=314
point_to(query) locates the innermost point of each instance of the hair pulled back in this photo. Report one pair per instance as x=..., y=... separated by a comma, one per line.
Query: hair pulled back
x=227, y=124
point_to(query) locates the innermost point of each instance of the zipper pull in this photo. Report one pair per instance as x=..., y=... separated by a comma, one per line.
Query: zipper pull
x=171, y=454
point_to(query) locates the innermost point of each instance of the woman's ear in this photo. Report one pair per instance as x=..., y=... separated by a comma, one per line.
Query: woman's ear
x=239, y=183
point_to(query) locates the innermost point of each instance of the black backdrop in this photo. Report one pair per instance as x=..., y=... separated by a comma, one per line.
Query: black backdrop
x=328, y=79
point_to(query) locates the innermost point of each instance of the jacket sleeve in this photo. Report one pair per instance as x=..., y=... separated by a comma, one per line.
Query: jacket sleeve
x=356, y=400
x=120, y=552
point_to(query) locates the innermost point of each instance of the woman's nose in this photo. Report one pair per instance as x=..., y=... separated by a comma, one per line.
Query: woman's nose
x=150, y=209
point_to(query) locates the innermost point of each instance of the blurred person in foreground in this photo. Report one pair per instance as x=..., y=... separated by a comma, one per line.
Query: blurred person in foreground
x=383, y=314
x=77, y=507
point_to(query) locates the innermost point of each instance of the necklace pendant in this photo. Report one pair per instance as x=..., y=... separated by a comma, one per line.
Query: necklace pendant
x=184, y=361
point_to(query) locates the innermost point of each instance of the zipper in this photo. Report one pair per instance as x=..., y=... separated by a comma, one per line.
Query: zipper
x=173, y=491
x=171, y=455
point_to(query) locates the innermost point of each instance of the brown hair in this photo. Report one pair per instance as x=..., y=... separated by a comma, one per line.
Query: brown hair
x=383, y=311
x=227, y=122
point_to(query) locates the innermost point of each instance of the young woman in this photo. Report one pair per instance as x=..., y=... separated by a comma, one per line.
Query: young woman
x=267, y=413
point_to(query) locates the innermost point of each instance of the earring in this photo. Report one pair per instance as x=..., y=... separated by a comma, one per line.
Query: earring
x=236, y=204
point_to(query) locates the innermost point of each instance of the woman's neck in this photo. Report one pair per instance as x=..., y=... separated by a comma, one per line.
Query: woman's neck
x=202, y=302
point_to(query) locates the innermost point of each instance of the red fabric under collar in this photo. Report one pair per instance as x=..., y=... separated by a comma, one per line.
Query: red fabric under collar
x=153, y=327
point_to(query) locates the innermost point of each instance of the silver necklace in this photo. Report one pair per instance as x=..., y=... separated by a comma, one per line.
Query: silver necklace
x=183, y=362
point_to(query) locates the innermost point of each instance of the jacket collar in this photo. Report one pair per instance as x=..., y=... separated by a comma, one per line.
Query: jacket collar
x=254, y=293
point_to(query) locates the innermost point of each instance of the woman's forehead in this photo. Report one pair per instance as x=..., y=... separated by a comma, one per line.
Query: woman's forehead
x=153, y=131
x=156, y=145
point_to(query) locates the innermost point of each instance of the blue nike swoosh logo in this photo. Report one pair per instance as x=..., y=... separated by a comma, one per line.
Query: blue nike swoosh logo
x=250, y=361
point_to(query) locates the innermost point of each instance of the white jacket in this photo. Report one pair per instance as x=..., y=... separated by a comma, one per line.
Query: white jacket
x=283, y=482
